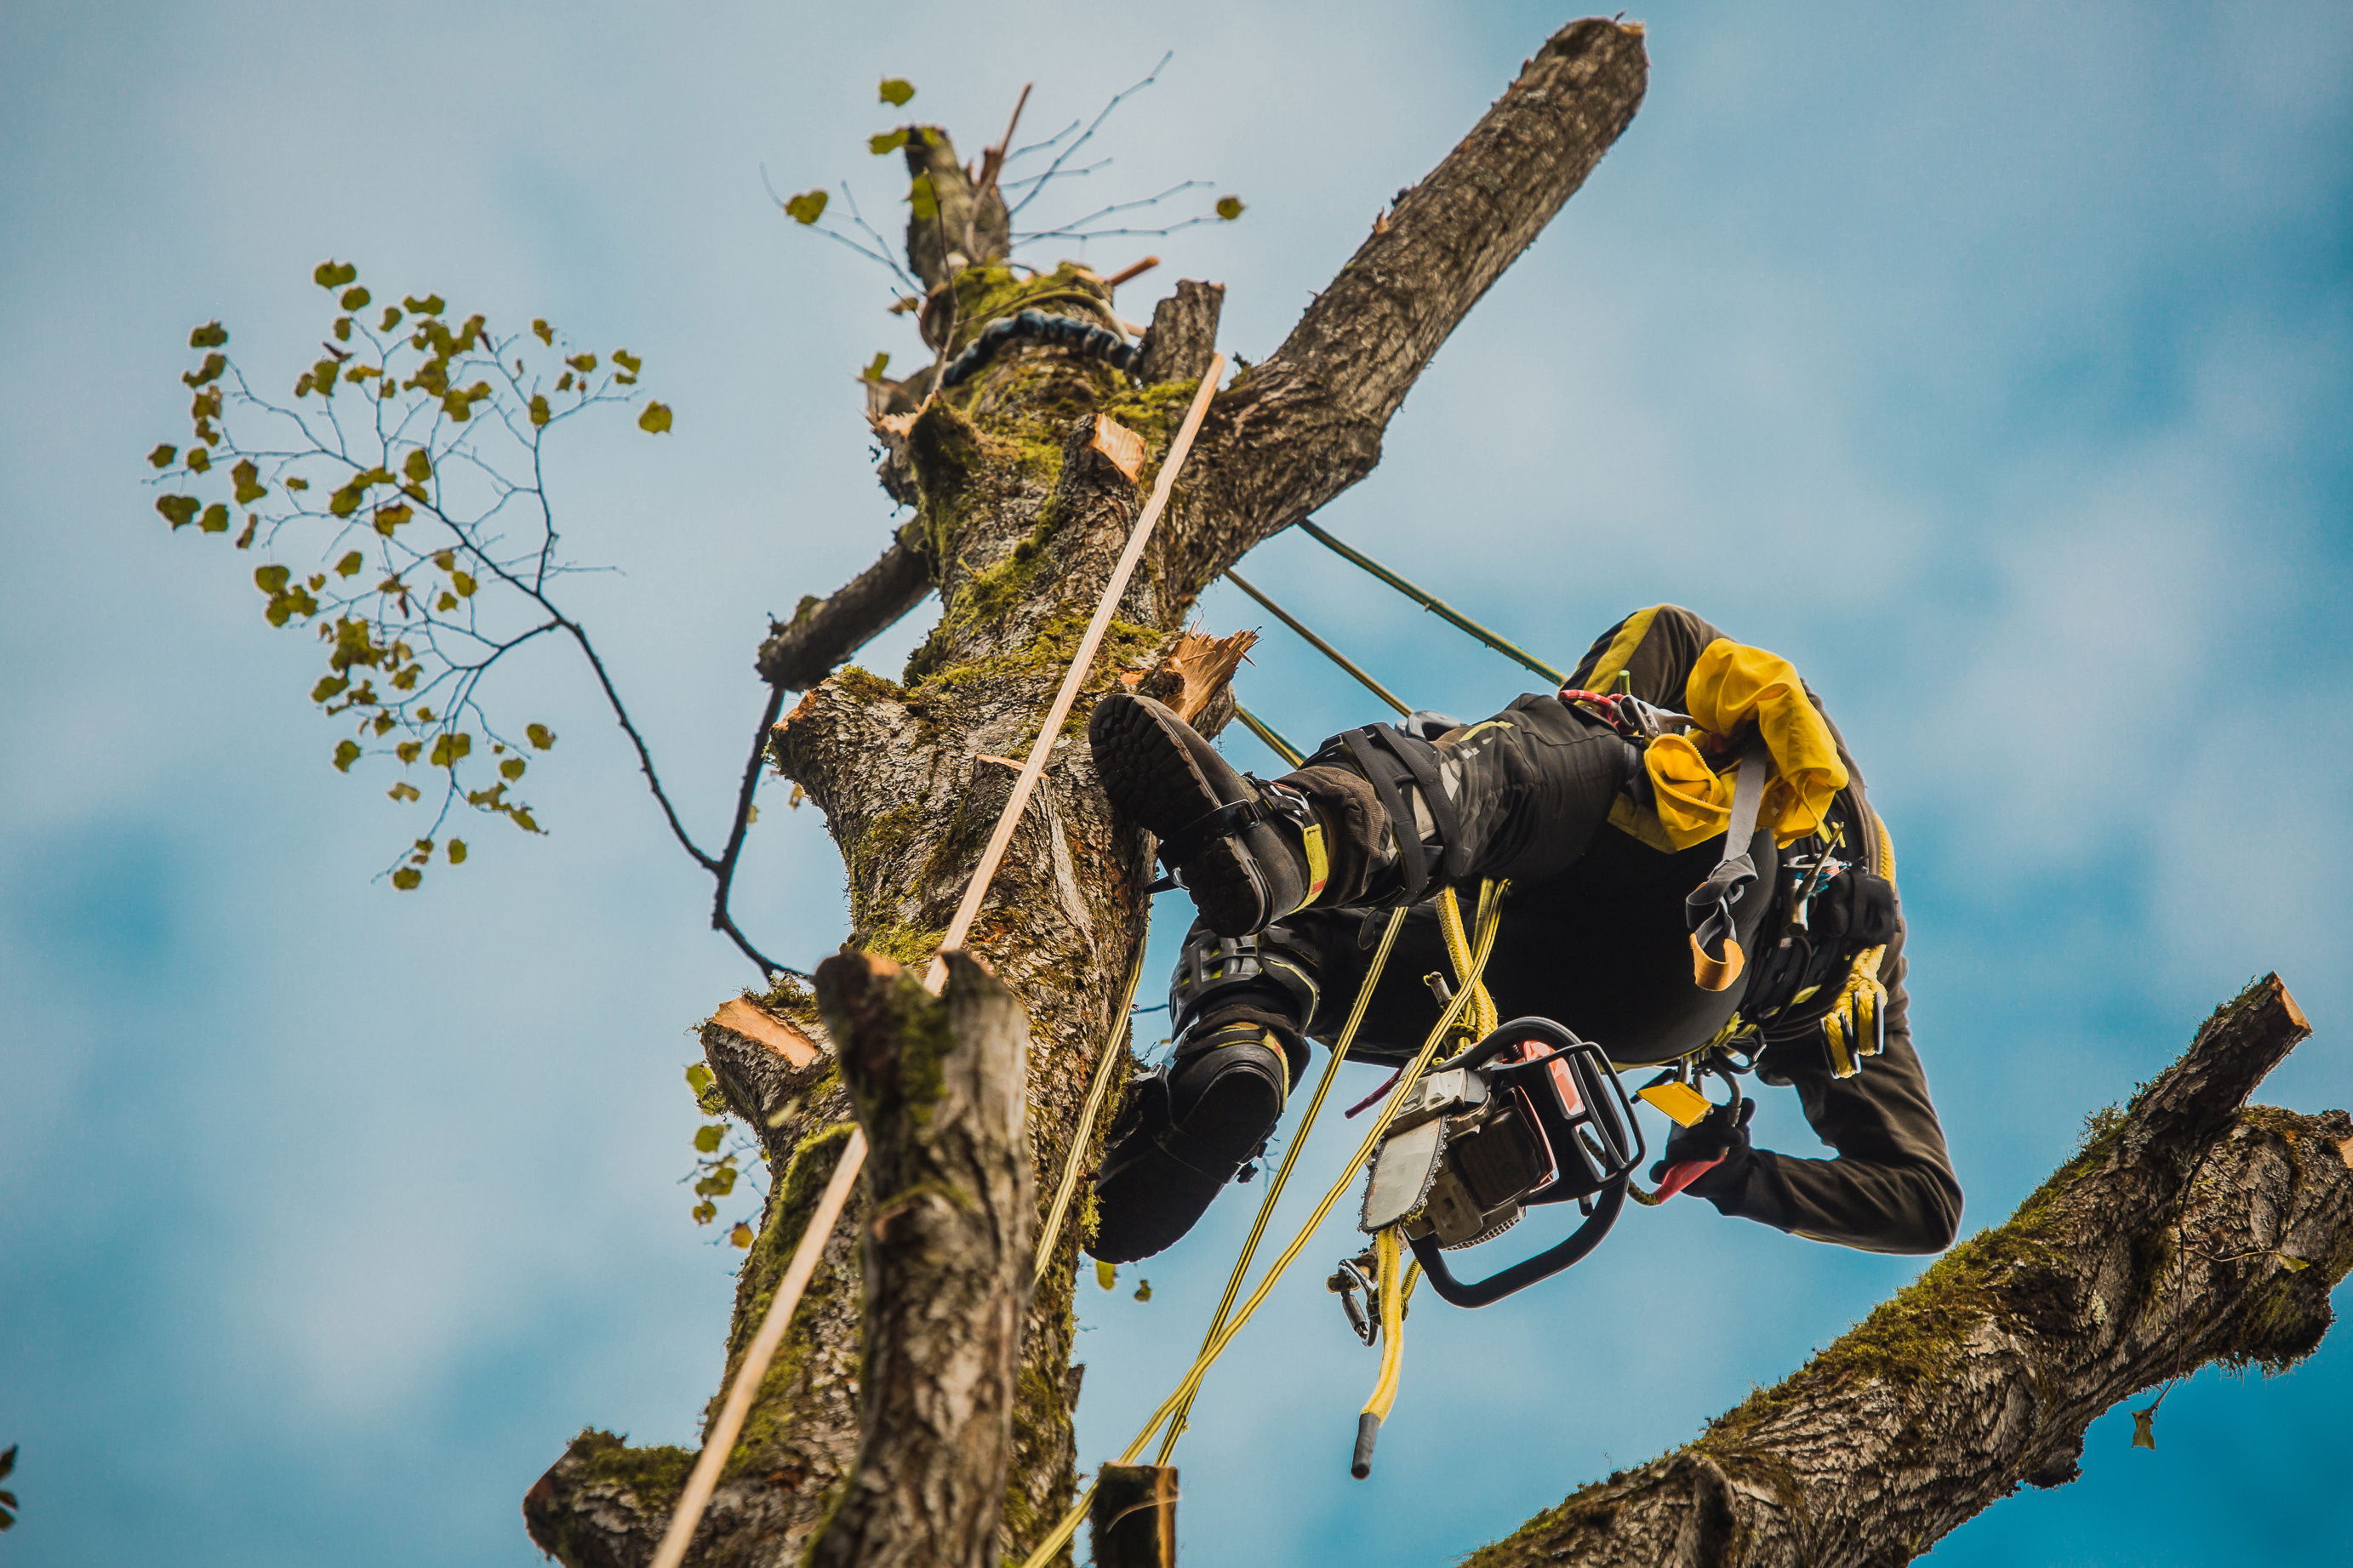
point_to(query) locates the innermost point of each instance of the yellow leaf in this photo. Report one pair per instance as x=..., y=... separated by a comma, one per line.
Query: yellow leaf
x=539, y=412
x=655, y=419
x=457, y=851
x=896, y=90
x=807, y=207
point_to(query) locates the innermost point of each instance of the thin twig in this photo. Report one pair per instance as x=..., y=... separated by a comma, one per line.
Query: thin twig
x=1063, y=156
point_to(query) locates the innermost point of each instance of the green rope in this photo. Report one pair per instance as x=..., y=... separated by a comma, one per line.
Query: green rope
x=1274, y=742
x=1320, y=646
x=1431, y=603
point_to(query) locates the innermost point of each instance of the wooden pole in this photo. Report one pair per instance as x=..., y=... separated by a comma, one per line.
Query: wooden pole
x=1134, y=1518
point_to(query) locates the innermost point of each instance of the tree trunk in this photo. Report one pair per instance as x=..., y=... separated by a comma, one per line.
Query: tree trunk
x=2191, y=1228
x=1023, y=496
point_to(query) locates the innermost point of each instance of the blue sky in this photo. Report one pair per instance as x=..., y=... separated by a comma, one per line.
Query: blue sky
x=1991, y=361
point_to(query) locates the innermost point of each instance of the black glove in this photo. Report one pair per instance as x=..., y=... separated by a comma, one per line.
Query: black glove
x=1722, y=1132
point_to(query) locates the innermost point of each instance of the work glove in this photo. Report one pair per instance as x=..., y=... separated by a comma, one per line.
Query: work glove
x=1721, y=1134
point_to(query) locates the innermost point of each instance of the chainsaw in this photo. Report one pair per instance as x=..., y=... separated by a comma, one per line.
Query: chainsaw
x=1530, y=1115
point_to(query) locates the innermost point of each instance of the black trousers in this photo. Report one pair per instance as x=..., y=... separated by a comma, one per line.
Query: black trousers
x=1593, y=931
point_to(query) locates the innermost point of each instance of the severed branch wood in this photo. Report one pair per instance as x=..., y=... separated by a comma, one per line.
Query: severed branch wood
x=824, y=633
x=938, y=1082
x=2191, y=1228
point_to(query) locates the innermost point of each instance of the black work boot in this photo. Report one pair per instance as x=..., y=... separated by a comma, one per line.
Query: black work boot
x=1183, y=1134
x=1249, y=853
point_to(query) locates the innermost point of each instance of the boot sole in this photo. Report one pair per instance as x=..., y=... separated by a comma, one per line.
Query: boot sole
x=1146, y=1204
x=1153, y=776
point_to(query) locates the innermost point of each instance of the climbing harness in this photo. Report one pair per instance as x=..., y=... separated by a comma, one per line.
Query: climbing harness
x=721, y=1439
x=1060, y=332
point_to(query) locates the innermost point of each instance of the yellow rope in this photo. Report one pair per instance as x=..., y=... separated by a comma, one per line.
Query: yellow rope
x=1389, y=1272
x=1107, y=1065
x=1290, y=1157
x=1490, y=901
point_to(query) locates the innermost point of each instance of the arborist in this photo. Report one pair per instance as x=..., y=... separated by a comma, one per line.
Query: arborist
x=1634, y=917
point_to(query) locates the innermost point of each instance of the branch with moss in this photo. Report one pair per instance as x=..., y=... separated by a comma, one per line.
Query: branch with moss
x=2192, y=1228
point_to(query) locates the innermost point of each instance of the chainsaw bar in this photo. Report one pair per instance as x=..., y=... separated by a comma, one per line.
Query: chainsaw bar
x=1403, y=1171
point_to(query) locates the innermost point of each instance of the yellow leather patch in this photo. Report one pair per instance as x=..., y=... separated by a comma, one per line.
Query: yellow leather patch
x=1682, y=1102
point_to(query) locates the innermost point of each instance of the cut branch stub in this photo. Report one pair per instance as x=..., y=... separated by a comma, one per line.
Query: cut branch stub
x=938, y=1082
x=824, y=633
x=1184, y=333
x=2191, y=1228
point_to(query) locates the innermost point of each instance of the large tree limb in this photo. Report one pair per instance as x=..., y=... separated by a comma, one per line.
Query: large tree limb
x=1308, y=423
x=939, y=1085
x=2191, y=1228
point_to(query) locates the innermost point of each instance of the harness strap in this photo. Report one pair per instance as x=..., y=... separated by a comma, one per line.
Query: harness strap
x=1413, y=860
x=1708, y=906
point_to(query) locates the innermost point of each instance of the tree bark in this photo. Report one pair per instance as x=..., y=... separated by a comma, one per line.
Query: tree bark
x=1021, y=508
x=2191, y=1228
x=938, y=1083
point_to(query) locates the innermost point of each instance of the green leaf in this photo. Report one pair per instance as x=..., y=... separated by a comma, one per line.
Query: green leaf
x=450, y=748
x=522, y=819
x=513, y=768
x=706, y=1139
x=343, y=330
x=403, y=791
x=272, y=579
x=250, y=488
x=539, y=412
x=346, y=754
x=874, y=368
x=2145, y=1428
x=355, y=300
x=211, y=335
x=215, y=518
x=388, y=518
x=539, y=735
x=406, y=878
x=584, y=364
x=199, y=460
x=1230, y=207
x=1144, y=1290
x=161, y=457
x=655, y=419
x=742, y=1236
x=896, y=90
x=628, y=361
x=431, y=305
x=330, y=686
x=334, y=274
x=349, y=566
x=807, y=207
x=704, y=1212
x=464, y=583
x=887, y=141
x=418, y=466
x=698, y=1078
x=408, y=751
x=178, y=510
x=457, y=851
x=391, y=319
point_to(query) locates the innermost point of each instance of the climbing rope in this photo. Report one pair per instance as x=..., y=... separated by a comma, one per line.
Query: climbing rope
x=1319, y=645
x=1274, y=742
x=1065, y=331
x=1331, y=1066
x=1073, y=1158
x=1434, y=604
x=721, y=1441
x=1487, y=920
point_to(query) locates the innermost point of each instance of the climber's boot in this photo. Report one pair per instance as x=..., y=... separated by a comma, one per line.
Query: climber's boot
x=1249, y=852
x=1184, y=1133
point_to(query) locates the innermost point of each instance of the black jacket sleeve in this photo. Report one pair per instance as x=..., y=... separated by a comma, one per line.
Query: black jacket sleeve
x=1891, y=1187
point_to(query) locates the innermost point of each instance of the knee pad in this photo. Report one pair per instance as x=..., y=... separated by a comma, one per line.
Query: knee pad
x=1262, y=977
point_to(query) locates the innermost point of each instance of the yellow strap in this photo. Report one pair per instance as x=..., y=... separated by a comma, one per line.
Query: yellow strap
x=1684, y=1105
x=1487, y=919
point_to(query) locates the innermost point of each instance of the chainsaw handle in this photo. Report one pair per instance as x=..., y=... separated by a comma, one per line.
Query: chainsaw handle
x=1527, y=1271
